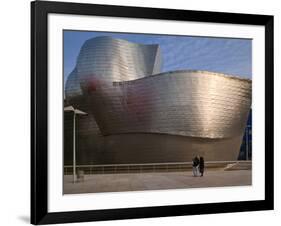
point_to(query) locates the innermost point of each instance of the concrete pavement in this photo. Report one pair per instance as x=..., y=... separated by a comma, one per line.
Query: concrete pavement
x=156, y=181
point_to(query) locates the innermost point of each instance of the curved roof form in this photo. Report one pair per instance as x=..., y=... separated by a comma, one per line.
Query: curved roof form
x=202, y=72
x=195, y=104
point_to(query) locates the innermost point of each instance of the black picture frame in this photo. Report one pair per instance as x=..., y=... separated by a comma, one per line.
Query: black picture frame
x=39, y=112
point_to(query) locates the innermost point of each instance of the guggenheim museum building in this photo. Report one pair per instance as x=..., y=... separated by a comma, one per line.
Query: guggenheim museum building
x=138, y=114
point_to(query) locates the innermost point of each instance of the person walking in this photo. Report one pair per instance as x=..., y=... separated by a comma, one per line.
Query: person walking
x=201, y=166
x=195, y=166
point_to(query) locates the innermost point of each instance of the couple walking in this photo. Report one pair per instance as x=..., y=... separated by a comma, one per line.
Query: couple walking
x=198, y=166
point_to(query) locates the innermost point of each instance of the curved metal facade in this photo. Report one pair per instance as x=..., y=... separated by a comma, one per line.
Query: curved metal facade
x=109, y=59
x=187, y=103
x=166, y=116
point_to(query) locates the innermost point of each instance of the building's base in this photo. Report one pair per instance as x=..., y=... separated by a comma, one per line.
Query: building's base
x=152, y=148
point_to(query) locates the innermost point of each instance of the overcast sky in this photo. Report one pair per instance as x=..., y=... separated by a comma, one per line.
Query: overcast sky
x=225, y=55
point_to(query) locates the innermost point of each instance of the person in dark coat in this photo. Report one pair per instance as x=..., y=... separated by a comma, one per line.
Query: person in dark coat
x=195, y=166
x=201, y=166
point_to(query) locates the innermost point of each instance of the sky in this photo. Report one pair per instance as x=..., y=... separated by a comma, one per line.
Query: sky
x=224, y=55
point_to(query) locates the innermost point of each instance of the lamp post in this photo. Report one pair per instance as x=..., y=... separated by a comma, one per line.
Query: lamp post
x=75, y=112
x=247, y=148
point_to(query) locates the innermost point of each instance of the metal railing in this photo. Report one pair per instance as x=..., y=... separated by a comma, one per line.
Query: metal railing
x=145, y=167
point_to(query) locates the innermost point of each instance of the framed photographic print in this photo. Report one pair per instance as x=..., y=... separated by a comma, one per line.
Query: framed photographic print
x=144, y=112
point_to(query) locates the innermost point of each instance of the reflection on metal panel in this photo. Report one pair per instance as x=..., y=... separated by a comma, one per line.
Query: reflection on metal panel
x=111, y=59
x=72, y=85
x=188, y=103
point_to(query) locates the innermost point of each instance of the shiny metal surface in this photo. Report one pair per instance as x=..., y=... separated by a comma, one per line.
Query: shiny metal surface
x=120, y=85
x=187, y=103
x=109, y=59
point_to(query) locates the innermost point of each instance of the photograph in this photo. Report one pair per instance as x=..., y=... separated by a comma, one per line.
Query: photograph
x=155, y=111
x=140, y=112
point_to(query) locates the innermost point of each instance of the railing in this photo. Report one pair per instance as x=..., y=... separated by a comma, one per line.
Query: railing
x=145, y=167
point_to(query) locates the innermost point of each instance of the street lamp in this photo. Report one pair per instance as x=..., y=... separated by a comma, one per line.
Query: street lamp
x=75, y=112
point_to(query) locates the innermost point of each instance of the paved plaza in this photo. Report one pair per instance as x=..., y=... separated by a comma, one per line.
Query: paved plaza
x=156, y=181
